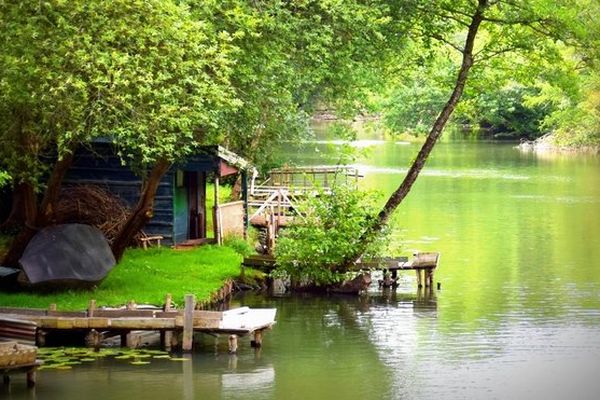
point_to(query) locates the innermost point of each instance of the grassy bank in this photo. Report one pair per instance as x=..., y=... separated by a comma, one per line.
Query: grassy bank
x=146, y=277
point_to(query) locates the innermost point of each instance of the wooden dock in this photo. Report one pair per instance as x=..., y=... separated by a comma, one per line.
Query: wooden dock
x=175, y=326
x=424, y=265
x=18, y=358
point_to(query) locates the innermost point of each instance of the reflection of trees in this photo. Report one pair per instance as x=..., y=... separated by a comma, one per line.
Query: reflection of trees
x=320, y=349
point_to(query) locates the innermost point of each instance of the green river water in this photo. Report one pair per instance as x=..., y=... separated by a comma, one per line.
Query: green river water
x=517, y=317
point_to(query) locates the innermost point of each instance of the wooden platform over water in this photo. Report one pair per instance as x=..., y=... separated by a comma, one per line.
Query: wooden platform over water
x=238, y=322
x=18, y=358
x=424, y=264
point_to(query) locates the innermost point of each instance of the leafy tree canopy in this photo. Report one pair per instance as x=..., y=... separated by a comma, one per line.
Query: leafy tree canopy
x=144, y=73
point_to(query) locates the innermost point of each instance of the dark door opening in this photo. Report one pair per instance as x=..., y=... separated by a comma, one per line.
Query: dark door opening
x=195, y=183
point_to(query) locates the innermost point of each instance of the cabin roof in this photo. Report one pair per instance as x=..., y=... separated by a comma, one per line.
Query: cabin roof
x=197, y=161
x=214, y=158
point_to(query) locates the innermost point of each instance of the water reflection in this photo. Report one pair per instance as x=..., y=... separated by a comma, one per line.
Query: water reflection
x=518, y=315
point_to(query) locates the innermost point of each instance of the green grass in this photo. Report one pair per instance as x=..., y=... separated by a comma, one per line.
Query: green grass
x=146, y=277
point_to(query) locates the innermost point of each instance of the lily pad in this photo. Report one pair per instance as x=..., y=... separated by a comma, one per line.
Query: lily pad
x=124, y=357
x=139, y=362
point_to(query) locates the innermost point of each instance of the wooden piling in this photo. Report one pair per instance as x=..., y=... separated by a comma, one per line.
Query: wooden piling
x=257, y=342
x=91, y=308
x=188, y=323
x=31, y=376
x=40, y=338
x=166, y=337
x=233, y=344
x=427, y=277
x=131, y=341
x=93, y=339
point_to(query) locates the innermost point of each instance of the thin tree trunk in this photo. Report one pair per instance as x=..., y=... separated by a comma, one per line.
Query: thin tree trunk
x=42, y=217
x=143, y=211
x=371, y=232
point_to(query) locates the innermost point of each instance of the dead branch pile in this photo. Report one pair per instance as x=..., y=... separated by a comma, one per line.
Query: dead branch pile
x=92, y=205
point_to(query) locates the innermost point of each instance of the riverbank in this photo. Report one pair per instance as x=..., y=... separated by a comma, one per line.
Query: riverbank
x=146, y=277
x=548, y=144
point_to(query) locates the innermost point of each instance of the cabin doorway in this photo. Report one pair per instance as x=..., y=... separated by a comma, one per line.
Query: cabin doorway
x=190, y=206
x=195, y=183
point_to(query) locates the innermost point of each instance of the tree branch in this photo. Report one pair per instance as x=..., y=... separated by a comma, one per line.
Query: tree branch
x=449, y=43
x=493, y=53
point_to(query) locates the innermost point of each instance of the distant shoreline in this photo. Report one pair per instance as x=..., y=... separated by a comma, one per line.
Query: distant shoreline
x=545, y=144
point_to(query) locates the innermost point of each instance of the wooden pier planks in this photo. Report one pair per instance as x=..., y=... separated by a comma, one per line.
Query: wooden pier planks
x=201, y=321
x=241, y=321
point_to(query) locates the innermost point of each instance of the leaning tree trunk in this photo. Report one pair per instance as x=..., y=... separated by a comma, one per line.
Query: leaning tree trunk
x=38, y=218
x=143, y=211
x=372, y=231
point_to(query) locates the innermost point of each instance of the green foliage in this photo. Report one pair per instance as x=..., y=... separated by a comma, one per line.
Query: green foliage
x=239, y=245
x=535, y=70
x=146, y=277
x=416, y=101
x=4, y=178
x=144, y=73
x=505, y=113
x=573, y=90
x=312, y=248
x=290, y=55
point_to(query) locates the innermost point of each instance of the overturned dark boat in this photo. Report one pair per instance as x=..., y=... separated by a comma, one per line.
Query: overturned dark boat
x=65, y=257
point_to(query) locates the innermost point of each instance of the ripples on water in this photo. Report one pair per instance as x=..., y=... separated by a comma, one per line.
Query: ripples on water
x=518, y=316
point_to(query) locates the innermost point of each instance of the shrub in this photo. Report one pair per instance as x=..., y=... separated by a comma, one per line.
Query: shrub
x=313, y=247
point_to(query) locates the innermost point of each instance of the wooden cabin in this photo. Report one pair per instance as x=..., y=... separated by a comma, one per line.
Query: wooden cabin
x=180, y=212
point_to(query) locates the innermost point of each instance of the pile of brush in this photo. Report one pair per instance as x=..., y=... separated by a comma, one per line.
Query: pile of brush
x=92, y=205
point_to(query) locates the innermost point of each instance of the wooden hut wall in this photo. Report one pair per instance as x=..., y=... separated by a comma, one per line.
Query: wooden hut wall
x=103, y=168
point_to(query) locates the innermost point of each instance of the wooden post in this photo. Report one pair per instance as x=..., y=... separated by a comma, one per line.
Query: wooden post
x=188, y=323
x=429, y=278
x=93, y=339
x=257, y=342
x=130, y=339
x=31, y=375
x=233, y=344
x=166, y=336
x=40, y=338
x=91, y=308
x=418, y=272
x=216, y=227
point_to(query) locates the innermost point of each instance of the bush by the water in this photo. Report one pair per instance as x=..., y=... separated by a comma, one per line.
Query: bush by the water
x=313, y=247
